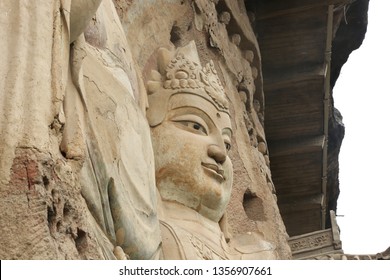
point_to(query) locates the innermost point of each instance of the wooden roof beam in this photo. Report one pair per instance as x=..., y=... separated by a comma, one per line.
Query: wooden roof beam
x=293, y=202
x=286, y=80
x=262, y=14
x=299, y=146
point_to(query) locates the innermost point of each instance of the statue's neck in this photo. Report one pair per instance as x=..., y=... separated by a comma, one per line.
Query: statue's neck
x=183, y=214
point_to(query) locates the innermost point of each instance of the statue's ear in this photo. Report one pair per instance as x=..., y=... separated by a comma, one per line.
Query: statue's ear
x=81, y=12
x=224, y=225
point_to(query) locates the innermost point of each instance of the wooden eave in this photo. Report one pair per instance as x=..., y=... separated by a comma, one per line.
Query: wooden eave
x=295, y=39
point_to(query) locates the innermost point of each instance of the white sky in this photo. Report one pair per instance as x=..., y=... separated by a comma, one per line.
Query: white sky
x=362, y=94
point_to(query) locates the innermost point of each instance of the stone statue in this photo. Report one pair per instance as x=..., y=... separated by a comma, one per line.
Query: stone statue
x=71, y=117
x=107, y=132
x=87, y=172
x=191, y=135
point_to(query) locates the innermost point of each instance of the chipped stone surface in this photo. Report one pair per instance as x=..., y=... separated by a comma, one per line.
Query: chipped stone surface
x=213, y=39
x=77, y=165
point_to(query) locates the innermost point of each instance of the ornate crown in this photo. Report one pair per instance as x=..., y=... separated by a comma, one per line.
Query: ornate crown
x=182, y=72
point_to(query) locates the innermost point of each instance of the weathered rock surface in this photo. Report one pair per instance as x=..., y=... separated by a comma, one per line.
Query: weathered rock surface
x=77, y=166
x=77, y=169
x=349, y=36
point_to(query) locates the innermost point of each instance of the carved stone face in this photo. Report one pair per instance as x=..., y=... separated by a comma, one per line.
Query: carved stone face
x=190, y=146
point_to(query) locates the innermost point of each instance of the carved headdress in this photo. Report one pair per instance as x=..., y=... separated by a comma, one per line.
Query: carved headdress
x=181, y=72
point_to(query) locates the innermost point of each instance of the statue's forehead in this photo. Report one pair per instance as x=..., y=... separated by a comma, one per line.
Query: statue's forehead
x=188, y=100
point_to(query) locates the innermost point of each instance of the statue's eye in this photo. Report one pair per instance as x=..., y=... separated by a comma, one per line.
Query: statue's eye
x=193, y=126
x=192, y=123
x=228, y=146
x=197, y=126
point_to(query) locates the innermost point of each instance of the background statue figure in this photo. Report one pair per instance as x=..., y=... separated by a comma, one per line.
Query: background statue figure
x=108, y=132
x=71, y=119
x=191, y=136
x=77, y=166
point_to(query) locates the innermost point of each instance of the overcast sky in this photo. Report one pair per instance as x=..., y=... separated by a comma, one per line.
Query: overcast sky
x=362, y=94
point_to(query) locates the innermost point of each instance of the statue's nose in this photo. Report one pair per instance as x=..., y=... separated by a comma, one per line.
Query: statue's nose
x=217, y=153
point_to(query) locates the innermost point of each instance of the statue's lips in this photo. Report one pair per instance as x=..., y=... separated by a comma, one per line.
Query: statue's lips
x=215, y=170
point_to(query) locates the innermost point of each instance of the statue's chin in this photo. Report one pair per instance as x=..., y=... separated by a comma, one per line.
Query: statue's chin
x=210, y=208
x=212, y=214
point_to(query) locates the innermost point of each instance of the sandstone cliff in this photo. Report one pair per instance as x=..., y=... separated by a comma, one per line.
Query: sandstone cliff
x=73, y=129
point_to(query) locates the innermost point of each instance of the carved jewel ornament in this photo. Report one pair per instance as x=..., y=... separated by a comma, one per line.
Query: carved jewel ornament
x=181, y=72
